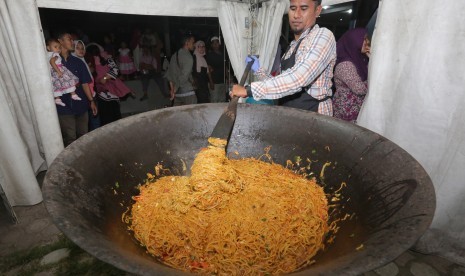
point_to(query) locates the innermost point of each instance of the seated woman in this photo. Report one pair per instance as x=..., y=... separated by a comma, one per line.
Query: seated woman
x=351, y=73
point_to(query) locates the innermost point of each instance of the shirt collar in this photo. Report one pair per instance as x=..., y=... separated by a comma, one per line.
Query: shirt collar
x=305, y=33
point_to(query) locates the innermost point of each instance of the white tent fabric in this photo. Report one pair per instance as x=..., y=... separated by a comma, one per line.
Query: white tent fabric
x=27, y=115
x=269, y=23
x=197, y=8
x=232, y=16
x=203, y=8
x=416, y=99
x=242, y=40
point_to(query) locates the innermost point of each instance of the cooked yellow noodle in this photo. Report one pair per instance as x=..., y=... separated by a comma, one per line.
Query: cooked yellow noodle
x=231, y=217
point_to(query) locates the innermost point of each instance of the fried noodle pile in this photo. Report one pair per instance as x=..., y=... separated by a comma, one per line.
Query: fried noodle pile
x=231, y=217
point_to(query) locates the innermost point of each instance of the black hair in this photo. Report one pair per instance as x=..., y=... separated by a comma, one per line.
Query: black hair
x=51, y=40
x=318, y=1
x=93, y=50
x=185, y=37
x=59, y=34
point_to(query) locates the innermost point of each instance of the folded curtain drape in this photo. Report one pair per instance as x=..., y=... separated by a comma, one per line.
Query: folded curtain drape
x=30, y=135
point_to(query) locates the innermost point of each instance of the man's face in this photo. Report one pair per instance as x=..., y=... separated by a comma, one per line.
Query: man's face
x=215, y=44
x=67, y=42
x=302, y=15
x=191, y=44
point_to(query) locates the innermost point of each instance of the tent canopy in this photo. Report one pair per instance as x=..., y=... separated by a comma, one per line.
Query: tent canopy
x=197, y=8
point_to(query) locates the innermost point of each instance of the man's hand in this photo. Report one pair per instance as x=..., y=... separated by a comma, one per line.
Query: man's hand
x=172, y=91
x=238, y=91
x=256, y=63
x=93, y=107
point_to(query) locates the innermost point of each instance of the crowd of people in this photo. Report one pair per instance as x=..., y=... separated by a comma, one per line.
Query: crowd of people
x=88, y=80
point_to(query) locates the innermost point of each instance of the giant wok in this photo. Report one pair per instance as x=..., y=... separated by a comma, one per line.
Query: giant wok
x=388, y=195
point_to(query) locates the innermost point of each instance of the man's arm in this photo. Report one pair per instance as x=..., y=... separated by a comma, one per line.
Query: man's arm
x=85, y=79
x=171, y=73
x=262, y=74
x=211, y=84
x=186, y=63
x=172, y=90
x=93, y=106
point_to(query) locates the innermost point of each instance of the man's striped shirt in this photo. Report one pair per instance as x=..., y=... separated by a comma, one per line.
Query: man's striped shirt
x=314, y=63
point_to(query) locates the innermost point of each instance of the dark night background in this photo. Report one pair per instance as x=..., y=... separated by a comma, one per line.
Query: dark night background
x=96, y=24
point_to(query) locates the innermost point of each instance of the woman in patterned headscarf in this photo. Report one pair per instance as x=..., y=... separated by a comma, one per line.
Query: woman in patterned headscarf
x=351, y=73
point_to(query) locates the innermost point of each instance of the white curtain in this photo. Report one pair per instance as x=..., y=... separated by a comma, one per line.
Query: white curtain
x=27, y=112
x=268, y=30
x=231, y=16
x=207, y=8
x=191, y=8
x=334, y=2
x=416, y=98
x=244, y=39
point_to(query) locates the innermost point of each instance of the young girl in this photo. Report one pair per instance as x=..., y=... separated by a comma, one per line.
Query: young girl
x=148, y=66
x=62, y=79
x=126, y=65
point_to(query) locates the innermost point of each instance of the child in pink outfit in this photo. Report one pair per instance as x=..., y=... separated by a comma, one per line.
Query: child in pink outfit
x=112, y=83
x=62, y=79
x=126, y=65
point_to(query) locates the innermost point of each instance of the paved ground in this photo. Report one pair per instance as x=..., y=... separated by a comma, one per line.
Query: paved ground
x=155, y=99
x=36, y=230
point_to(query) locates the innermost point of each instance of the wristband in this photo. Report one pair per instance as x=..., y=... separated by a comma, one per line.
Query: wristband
x=249, y=91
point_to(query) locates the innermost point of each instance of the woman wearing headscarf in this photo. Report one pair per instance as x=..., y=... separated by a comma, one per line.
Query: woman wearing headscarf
x=108, y=91
x=351, y=73
x=200, y=73
x=80, y=52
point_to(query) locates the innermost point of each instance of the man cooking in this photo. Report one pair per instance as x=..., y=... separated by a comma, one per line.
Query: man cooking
x=306, y=67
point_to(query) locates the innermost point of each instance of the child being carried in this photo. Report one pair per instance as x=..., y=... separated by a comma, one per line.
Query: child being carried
x=63, y=80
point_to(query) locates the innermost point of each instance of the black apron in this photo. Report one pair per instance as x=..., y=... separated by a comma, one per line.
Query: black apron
x=301, y=99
